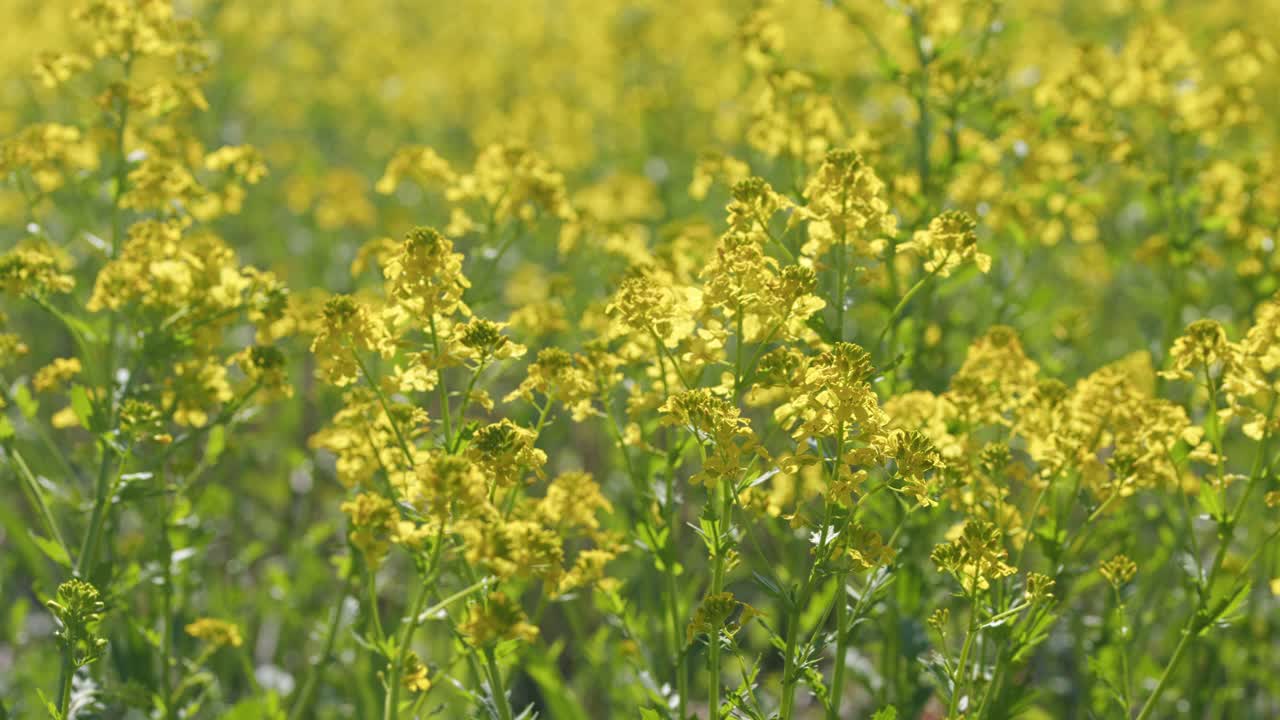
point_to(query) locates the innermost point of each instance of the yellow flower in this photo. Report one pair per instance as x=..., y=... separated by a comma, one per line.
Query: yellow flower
x=505, y=450
x=413, y=676
x=566, y=378
x=717, y=424
x=373, y=519
x=646, y=306
x=426, y=274
x=846, y=205
x=916, y=456
x=497, y=618
x=1203, y=344
x=218, y=633
x=419, y=163
x=1119, y=570
x=832, y=398
x=53, y=376
x=976, y=557
x=26, y=271
x=948, y=243
x=349, y=327
x=484, y=341
x=573, y=501
x=49, y=152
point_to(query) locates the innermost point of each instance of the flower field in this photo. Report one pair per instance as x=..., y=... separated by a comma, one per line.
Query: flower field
x=729, y=359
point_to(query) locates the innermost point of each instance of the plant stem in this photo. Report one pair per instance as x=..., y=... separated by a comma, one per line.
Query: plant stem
x=444, y=393
x=64, y=682
x=102, y=495
x=1178, y=652
x=842, y=643
x=787, y=709
x=391, y=709
x=386, y=407
x=673, y=596
x=32, y=487
x=496, y=687
x=166, y=639
x=723, y=525
x=959, y=681
x=303, y=701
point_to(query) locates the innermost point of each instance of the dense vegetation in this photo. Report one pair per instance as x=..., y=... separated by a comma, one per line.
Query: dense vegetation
x=910, y=359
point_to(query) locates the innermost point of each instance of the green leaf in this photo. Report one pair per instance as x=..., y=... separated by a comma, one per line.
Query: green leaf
x=27, y=404
x=560, y=700
x=1211, y=500
x=82, y=407
x=216, y=443
x=85, y=330
x=48, y=706
x=1224, y=608
x=51, y=548
x=259, y=708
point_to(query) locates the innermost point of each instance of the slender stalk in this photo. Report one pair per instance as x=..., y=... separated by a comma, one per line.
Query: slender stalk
x=386, y=408
x=391, y=709
x=1226, y=532
x=496, y=687
x=902, y=304
x=787, y=709
x=102, y=496
x=64, y=682
x=444, y=393
x=466, y=403
x=166, y=639
x=840, y=266
x=842, y=646
x=371, y=592
x=32, y=488
x=673, y=596
x=723, y=525
x=1183, y=644
x=959, y=680
x=1124, y=650
x=789, y=678
x=416, y=617
x=303, y=701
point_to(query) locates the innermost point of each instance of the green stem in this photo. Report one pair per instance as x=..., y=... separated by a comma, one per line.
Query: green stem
x=444, y=393
x=842, y=644
x=673, y=596
x=166, y=639
x=386, y=408
x=723, y=528
x=840, y=267
x=102, y=495
x=961, y=667
x=1178, y=652
x=787, y=709
x=303, y=701
x=64, y=682
x=496, y=686
x=902, y=304
x=391, y=709
x=662, y=352
x=466, y=403
x=32, y=488
x=371, y=591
